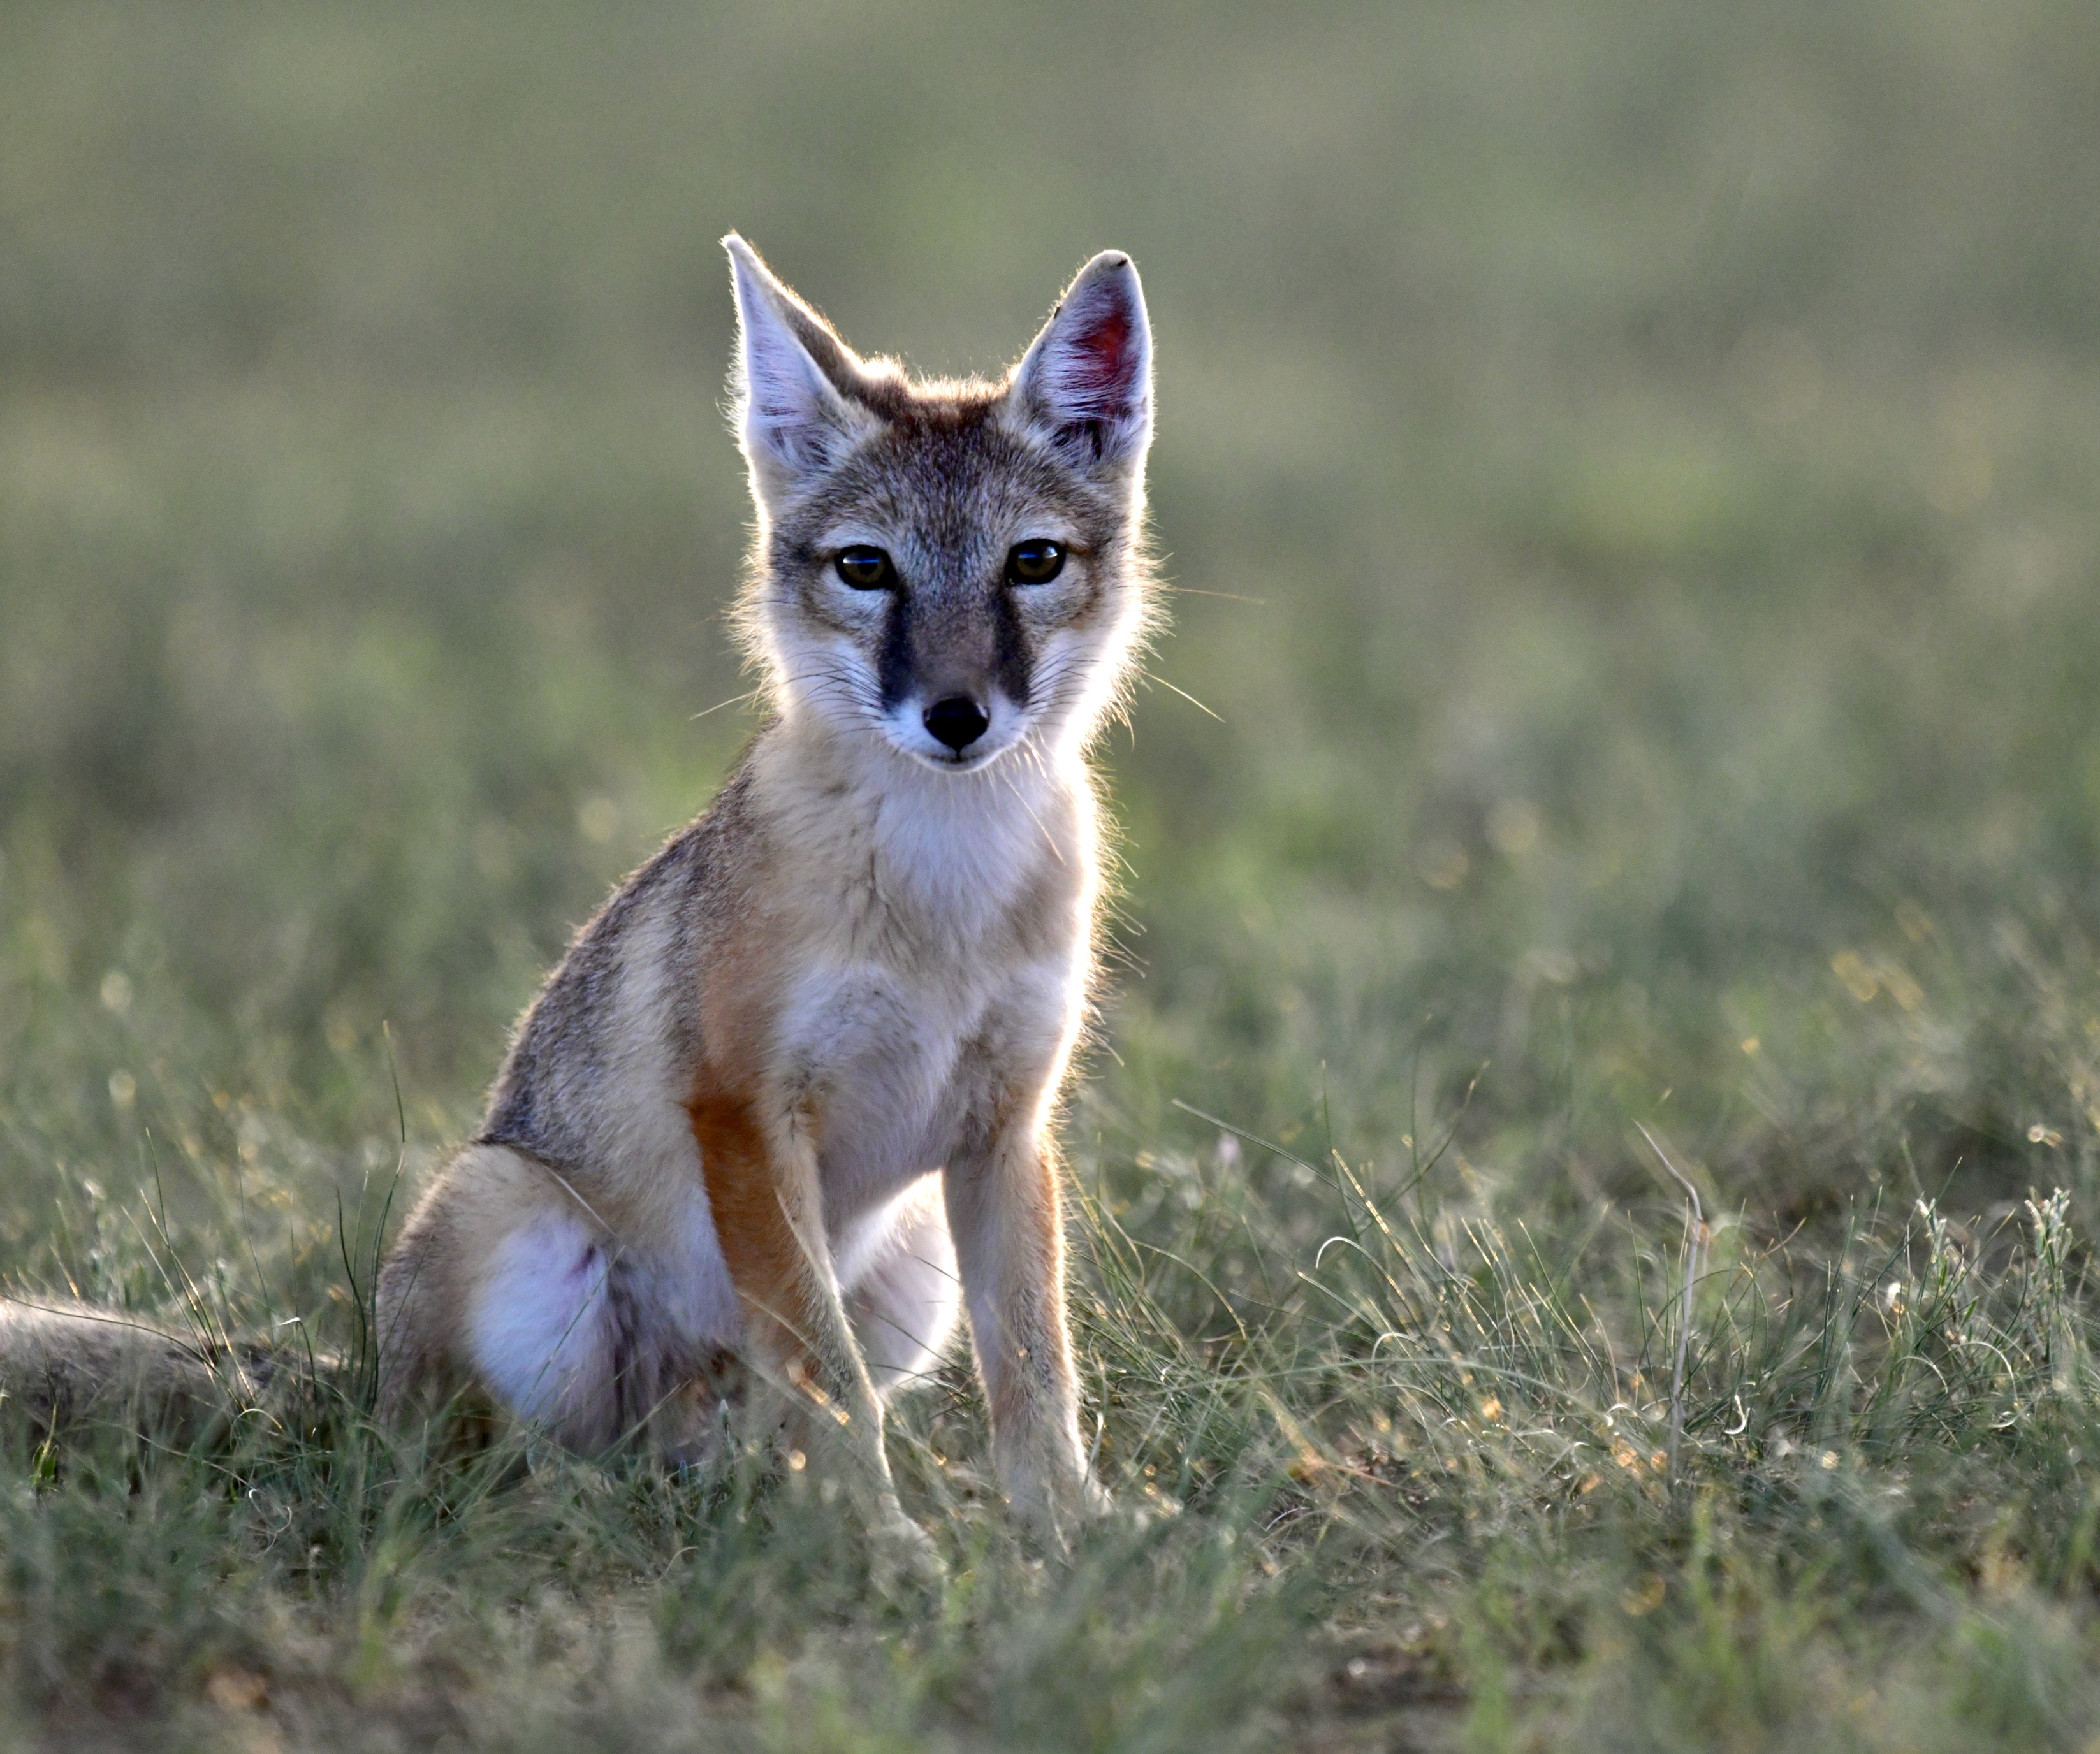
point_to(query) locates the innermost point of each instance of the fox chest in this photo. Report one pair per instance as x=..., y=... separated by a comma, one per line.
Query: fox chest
x=896, y=1070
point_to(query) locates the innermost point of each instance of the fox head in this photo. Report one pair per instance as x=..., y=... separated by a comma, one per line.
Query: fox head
x=946, y=572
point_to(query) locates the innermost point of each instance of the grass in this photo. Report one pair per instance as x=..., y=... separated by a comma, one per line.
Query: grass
x=1627, y=484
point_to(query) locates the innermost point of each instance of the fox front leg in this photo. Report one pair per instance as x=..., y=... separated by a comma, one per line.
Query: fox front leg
x=763, y=1189
x=1004, y=1216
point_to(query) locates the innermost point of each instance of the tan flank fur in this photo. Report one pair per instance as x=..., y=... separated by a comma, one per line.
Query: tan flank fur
x=785, y=1107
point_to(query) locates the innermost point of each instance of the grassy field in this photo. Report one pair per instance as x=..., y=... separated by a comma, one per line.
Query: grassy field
x=1627, y=475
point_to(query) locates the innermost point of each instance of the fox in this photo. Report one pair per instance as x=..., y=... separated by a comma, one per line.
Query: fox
x=786, y=1110
x=786, y=1106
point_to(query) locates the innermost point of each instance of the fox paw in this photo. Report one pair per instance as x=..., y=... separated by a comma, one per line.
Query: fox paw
x=904, y=1553
x=1052, y=1515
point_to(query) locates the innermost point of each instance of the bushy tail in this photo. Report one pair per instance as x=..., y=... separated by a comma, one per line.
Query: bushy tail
x=66, y=1366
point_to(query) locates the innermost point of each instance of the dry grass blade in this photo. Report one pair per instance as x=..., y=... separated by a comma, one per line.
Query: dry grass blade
x=1695, y=1229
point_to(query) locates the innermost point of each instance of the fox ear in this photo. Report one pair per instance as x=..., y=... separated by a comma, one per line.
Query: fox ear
x=792, y=383
x=1086, y=381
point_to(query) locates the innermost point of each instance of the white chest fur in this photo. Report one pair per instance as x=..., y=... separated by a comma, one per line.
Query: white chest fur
x=894, y=1066
x=943, y=952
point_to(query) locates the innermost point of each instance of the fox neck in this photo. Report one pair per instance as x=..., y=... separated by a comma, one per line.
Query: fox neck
x=952, y=852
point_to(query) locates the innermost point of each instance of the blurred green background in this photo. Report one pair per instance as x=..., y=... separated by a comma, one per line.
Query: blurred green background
x=1627, y=472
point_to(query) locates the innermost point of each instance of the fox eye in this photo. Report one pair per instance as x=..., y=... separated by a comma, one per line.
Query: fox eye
x=1035, y=562
x=865, y=568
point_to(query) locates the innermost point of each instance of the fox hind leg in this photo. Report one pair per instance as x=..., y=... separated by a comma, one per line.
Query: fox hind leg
x=501, y=1287
x=543, y=1329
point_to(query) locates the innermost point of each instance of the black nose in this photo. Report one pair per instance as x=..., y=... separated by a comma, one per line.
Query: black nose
x=957, y=721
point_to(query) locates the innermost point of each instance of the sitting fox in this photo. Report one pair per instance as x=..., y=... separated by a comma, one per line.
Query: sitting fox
x=786, y=1104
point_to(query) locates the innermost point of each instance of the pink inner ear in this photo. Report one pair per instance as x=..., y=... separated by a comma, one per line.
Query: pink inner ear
x=1100, y=353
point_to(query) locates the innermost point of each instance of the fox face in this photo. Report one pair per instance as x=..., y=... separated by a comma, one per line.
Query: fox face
x=946, y=574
